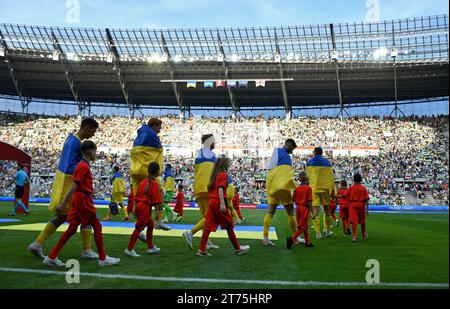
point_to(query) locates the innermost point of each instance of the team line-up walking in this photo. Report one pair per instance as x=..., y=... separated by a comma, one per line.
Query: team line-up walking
x=72, y=196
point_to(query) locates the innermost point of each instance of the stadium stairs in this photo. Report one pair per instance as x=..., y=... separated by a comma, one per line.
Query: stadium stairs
x=431, y=199
x=409, y=199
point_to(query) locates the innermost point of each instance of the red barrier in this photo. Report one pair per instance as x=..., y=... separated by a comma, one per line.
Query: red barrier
x=11, y=153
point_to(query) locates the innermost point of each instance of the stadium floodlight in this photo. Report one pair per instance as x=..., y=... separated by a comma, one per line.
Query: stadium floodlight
x=109, y=58
x=380, y=53
x=277, y=58
x=72, y=56
x=394, y=52
x=334, y=55
x=177, y=58
x=235, y=57
x=55, y=56
x=2, y=51
x=220, y=58
x=290, y=57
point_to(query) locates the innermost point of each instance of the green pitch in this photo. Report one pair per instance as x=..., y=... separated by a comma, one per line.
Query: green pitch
x=410, y=249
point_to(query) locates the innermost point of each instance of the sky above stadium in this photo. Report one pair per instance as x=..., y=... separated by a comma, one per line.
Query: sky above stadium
x=209, y=13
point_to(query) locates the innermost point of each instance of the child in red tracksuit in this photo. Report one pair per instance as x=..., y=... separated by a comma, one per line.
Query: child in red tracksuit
x=178, y=209
x=359, y=206
x=333, y=207
x=344, y=206
x=82, y=210
x=147, y=196
x=218, y=212
x=303, y=200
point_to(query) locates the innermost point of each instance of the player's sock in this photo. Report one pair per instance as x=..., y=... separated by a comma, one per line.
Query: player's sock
x=98, y=238
x=167, y=209
x=292, y=223
x=62, y=241
x=344, y=225
x=125, y=211
x=15, y=208
x=22, y=205
x=205, y=237
x=267, y=220
x=86, y=238
x=327, y=222
x=232, y=237
x=198, y=226
x=48, y=230
x=363, y=229
x=150, y=237
x=316, y=224
x=354, y=229
x=235, y=214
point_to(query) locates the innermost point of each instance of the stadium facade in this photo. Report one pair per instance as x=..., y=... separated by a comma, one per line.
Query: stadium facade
x=255, y=68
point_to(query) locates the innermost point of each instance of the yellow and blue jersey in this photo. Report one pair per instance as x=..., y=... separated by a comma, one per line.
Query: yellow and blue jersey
x=169, y=181
x=147, y=148
x=280, y=175
x=203, y=166
x=230, y=190
x=70, y=157
x=320, y=174
x=118, y=185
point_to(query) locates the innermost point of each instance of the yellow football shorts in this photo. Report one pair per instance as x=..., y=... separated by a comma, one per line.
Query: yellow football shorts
x=280, y=197
x=61, y=185
x=320, y=198
x=117, y=197
x=202, y=199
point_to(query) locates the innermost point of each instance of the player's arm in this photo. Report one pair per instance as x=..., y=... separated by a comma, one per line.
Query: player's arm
x=311, y=209
x=223, y=208
x=67, y=197
x=366, y=205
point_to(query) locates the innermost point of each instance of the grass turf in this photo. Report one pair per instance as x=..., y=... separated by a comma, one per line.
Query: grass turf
x=409, y=247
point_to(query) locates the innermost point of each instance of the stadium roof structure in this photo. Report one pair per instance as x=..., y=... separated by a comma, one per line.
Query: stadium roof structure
x=311, y=65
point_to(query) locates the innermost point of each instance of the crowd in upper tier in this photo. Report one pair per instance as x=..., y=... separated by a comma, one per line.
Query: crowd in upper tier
x=412, y=148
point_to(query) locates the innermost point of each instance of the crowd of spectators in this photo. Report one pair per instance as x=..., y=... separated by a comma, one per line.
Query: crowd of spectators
x=412, y=155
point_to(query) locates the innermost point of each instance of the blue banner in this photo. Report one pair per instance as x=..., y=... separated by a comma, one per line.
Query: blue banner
x=372, y=208
x=393, y=209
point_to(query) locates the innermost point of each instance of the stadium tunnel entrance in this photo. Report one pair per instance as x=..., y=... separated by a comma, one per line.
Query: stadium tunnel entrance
x=11, y=153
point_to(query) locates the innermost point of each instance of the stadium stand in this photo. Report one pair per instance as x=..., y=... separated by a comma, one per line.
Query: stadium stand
x=409, y=164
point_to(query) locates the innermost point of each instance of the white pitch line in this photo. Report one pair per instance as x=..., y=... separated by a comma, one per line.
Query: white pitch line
x=228, y=281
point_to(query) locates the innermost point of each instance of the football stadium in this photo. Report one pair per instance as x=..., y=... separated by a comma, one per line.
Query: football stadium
x=306, y=155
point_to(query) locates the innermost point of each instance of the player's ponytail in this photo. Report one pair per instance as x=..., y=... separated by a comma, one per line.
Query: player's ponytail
x=153, y=172
x=221, y=165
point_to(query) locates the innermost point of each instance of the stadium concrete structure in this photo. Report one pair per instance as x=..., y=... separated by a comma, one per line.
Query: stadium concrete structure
x=346, y=64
